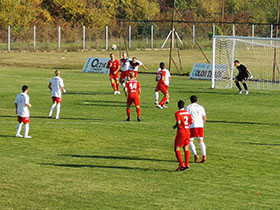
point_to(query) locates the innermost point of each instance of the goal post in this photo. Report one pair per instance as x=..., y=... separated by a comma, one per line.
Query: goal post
x=260, y=55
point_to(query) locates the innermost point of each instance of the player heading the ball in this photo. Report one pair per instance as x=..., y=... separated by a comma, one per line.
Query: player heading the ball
x=132, y=92
x=243, y=74
x=134, y=65
x=162, y=79
x=56, y=85
x=114, y=66
x=22, y=104
x=183, y=120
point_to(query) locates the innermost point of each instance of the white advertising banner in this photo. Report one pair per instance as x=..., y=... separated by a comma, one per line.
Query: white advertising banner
x=96, y=65
x=203, y=71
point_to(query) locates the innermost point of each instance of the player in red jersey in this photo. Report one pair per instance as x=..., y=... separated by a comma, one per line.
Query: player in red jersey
x=183, y=120
x=132, y=92
x=163, y=81
x=114, y=66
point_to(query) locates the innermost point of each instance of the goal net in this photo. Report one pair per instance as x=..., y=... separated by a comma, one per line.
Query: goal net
x=260, y=55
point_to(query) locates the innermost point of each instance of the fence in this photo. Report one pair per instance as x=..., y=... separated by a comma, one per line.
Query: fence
x=131, y=35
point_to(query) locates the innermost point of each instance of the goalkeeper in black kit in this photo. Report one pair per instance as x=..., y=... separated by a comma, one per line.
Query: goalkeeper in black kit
x=242, y=76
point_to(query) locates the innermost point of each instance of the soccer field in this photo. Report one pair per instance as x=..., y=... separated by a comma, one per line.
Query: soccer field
x=92, y=159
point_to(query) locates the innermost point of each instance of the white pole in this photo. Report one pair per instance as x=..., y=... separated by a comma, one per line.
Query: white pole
x=178, y=37
x=152, y=36
x=166, y=39
x=193, y=36
x=213, y=29
x=232, y=61
x=84, y=37
x=253, y=30
x=129, y=37
x=173, y=37
x=271, y=33
x=233, y=30
x=9, y=38
x=59, y=37
x=34, y=37
x=106, y=38
x=213, y=61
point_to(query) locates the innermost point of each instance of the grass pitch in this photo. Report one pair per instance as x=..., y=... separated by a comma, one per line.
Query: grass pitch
x=92, y=159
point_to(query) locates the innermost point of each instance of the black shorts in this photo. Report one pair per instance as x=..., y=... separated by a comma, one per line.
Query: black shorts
x=241, y=77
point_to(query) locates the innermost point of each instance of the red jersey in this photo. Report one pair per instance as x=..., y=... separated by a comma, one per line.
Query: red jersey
x=185, y=118
x=113, y=65
x=160, y=76
x=133, y=87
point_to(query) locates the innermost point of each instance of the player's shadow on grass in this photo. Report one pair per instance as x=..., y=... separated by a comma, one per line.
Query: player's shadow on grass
x=247, y=123
x=207, y=92
x=259, y=144
x=45, y=117
x=116, y=158
x=106, y=167
x=90, y=93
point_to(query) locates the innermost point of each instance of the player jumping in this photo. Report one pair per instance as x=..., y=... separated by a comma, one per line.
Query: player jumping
x=124, y=67
x=56, y=85
x=199, y=119
x=22, y=104
x=132, y=92
x=114, y=66
x=183, y=120
x=242, y=76
x=162, y=78
x=134, y=65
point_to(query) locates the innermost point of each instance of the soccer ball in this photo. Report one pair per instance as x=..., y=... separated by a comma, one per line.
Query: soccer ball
x=114, y=46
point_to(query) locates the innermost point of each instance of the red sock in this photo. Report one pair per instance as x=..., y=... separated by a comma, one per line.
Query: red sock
x=118, y=86
x=179, y=157
x=128, y=112
x=114, y=86
x=187, y=157
x=163, y=101
x=138, y=112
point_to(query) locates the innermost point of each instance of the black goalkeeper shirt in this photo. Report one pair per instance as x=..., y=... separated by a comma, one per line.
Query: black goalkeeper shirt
x=242, y=69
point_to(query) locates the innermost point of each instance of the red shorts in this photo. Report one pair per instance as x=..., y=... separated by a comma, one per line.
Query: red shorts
x=56, y=99
x=134, y=99
x=197, y=132
x=124, y=74
x=114, y=76
x=23, y=119
x=135, y=73
x=182, y=139
x=162, y=88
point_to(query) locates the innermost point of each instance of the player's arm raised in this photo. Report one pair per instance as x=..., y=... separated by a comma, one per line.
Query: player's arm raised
x=144, y=67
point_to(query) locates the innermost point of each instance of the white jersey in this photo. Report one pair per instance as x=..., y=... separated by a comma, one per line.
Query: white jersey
x=167, y=75
x=197, y=112
x=134, y=66
x=22, y=109
x=57, y=84
x=125, y=64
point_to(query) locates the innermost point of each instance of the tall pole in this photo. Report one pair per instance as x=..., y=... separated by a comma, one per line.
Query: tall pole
x=275, y=49
x=223, y=14
x=172, y=36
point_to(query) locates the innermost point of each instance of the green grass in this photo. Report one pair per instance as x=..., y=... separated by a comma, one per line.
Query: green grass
x=92, y=159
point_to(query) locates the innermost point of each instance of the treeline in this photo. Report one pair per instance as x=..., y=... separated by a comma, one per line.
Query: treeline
x=71, y=15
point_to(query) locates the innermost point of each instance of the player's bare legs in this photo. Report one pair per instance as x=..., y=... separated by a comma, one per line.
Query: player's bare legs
x=203, y=150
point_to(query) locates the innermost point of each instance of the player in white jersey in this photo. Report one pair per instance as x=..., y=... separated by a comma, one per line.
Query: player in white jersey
x=124, y=68
x=199, y=119
x=134, y=65
x=22, y=104
x=167, y=78
x=56, y=85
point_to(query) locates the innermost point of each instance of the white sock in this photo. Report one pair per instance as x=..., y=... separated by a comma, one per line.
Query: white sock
x=203, y=148
x=19, y=126
x=51, y=110
x=57, y=110
x=156, y=96
x=26, y=129
x=192, y=147
x=123, y=84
